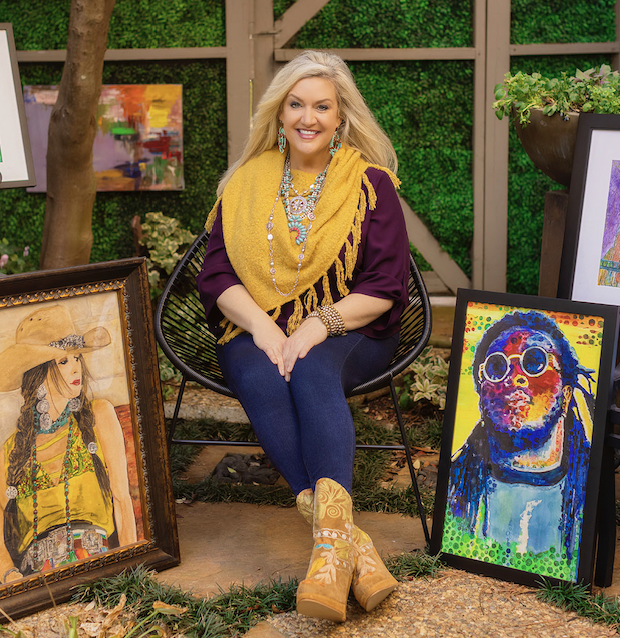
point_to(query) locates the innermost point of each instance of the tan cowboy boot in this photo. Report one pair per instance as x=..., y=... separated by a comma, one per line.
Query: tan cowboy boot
x=372, y=582
x=324, y=591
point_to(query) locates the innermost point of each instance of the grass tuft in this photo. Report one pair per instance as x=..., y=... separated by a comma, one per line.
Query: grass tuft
x=411, y=565
x=577, y=598
x=229, y=613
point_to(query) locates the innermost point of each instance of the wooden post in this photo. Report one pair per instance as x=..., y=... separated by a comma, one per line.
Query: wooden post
x=262, y=50
x=556, y=208
x=480, y=109
x=495, y=239
x=238, y=74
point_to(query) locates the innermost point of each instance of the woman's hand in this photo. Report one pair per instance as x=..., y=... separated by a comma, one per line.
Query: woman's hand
x=269, y=338
x=237, y=305
x=311, y=332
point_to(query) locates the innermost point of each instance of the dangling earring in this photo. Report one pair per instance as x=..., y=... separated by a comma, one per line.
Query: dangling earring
x=281, y=139
x=335, y=143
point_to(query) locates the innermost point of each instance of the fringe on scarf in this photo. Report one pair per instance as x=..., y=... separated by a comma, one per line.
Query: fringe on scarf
x=212, y=215
x=344, y=272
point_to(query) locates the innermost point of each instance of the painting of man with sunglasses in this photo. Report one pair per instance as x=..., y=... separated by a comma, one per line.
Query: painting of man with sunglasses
x=517, y=485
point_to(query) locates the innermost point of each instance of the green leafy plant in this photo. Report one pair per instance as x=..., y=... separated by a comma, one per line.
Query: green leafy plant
x=166, y=242
x=596, y=90
x=427, y=379
x=14, y=260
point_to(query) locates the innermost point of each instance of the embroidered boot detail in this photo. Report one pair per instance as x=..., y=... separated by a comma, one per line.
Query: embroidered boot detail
x=372, y=582
x=324, y=591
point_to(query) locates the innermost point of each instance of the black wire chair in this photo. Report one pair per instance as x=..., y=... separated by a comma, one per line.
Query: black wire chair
x=185, y=338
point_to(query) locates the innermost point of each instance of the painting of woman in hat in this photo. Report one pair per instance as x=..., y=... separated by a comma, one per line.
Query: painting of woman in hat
x=64, y=488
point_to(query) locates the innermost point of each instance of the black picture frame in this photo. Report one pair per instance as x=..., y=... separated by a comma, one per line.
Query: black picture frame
x=597, y=158
x=110, y=299
x=16, y=165
x=462, y=533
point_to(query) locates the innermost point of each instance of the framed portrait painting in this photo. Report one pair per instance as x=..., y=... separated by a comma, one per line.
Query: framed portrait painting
x=85, y=488
x=590, y=266
x=16, y=166
x=524, y=425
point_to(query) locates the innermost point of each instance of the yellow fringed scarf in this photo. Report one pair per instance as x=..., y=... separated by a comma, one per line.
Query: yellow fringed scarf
x=246, y=203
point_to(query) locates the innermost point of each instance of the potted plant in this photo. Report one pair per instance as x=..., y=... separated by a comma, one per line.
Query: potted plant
x=546, y=112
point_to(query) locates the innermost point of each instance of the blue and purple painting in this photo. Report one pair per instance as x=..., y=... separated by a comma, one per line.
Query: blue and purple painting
x=609, y=270
x=522, y=438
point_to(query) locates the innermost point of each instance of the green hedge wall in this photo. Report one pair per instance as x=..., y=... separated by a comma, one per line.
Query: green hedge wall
x=562, y=21
x=426, y=107
x=134, y=23
x=386, y=23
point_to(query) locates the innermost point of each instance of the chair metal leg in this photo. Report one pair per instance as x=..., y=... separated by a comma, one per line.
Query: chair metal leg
x=414, y=481
x=175, y=416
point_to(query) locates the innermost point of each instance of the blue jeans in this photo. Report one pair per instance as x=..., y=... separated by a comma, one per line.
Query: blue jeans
x=305, y=426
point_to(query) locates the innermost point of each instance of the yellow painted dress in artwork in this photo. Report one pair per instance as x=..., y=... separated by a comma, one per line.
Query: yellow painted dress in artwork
x=67, y=510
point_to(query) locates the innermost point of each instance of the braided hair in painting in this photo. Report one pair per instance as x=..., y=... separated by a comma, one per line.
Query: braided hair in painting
x=19, y=458
x=471, y=464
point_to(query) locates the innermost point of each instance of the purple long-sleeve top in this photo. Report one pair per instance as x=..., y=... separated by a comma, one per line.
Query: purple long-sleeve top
x=382, y=268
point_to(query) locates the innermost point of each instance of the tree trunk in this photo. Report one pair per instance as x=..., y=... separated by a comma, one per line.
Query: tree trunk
x=71, y=185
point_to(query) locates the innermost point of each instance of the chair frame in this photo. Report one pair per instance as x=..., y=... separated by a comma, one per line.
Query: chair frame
x=400, y=362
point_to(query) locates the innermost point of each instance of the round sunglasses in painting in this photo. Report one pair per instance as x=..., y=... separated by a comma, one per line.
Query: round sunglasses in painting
x=533, y=361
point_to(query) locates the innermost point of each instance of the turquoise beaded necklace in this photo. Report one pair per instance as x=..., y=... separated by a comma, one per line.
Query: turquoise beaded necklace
x=56, y=425
x=300, y=207
x=65, y=465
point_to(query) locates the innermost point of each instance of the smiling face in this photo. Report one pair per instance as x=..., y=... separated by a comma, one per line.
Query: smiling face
x=521, y=386
x=70, y=368
x=310, y=117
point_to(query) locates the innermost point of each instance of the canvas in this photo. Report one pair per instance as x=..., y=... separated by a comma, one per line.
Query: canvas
x=523, y=433
x=590, y=266
x=16, y=167
x=139, y=140
x=84, y=487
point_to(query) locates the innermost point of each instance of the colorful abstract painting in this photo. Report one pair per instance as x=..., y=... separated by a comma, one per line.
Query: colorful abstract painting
x=609, y=272
x=522, y=436
x=139, y=139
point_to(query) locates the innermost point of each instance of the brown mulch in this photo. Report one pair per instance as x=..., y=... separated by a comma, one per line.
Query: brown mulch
x=453, y=604
x=92, y=621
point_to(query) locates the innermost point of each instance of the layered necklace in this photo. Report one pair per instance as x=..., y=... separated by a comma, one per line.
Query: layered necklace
x=299, y=209
x=35, y=505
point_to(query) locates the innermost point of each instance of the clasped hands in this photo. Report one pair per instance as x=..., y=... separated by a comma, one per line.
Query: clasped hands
x=284, y=351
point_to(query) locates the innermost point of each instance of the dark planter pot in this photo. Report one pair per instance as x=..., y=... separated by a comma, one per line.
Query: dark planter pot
x=550, y=143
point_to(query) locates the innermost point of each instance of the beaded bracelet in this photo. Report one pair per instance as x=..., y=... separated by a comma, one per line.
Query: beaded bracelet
x=331, y=319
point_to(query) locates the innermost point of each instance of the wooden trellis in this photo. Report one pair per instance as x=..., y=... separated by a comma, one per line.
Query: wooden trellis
x=255, y=46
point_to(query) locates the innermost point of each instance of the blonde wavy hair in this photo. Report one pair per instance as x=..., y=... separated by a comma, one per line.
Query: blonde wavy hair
x=359, y=131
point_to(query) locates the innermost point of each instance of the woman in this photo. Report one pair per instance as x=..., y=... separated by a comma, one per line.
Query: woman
x=64, y=488
x=307, y=242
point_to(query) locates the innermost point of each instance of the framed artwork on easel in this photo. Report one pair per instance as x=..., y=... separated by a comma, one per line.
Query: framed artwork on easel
x=590, y=268
x=16, y=166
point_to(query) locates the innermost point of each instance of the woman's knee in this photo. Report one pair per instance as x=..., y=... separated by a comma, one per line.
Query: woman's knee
x=245, y=365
